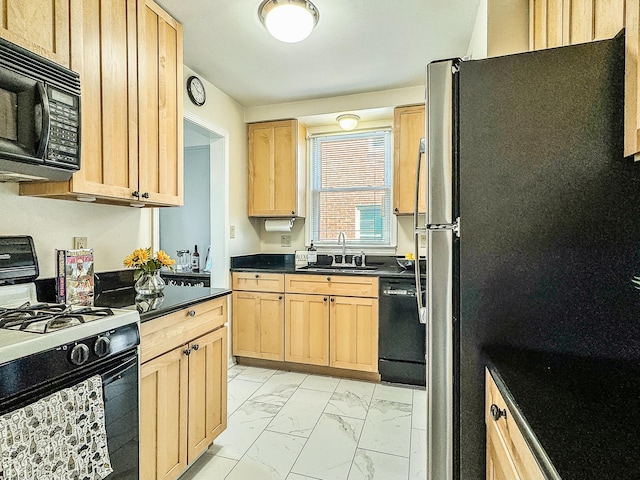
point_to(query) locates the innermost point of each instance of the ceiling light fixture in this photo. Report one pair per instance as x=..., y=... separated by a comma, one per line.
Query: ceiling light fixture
x=289, y=21
x=348, y=121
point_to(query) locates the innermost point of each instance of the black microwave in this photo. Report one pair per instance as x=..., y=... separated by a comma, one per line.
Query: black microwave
x=39, y=117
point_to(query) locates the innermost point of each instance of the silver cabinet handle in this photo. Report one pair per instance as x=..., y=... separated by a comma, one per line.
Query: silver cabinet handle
x=191, y=313
x=195, y=347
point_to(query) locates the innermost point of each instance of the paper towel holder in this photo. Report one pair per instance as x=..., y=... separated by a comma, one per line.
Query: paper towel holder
x=278, y=224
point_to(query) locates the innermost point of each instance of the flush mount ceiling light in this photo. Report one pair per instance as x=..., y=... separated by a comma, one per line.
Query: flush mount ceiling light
x=348, y=121
x=289, y=21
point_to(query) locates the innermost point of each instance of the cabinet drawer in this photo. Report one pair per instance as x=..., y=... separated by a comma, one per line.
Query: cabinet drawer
x=258, y=282
x=509, y=434
x=342, y=285
x=170, y=331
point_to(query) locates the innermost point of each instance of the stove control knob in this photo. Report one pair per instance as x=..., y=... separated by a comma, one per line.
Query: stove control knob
x=102, y=346
x=79, y=354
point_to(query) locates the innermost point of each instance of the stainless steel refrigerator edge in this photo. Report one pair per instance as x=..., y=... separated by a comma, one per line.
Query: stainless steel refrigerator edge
x=442, y=226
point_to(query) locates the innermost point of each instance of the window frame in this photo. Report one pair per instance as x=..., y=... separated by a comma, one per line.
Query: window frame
x=313, y=195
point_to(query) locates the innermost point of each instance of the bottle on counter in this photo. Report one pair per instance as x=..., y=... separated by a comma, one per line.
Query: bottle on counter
x=195, y=260
x=312, y=255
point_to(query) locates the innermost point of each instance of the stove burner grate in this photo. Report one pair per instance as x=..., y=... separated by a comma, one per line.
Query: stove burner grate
x=45, y=318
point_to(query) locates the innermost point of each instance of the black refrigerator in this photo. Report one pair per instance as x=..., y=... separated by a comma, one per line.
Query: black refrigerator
x=533, y=227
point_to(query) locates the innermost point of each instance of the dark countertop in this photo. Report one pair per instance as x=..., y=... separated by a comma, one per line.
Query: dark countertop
x=285, y=263
x=172, y=299
x=184, y=273
x=583, y=412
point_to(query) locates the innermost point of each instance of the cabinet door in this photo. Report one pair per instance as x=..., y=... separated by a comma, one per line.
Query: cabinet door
x=207, y=391
x=588, y=20
x=258, y=325
x=160, y=112
x=546, y=24
x=258, y=282
x=499, y=463
x=409, y=128
x=307, y=329
x=41, y=26
x=103, y=40
x=275, y=168
x=163, y=416
x=354, y=333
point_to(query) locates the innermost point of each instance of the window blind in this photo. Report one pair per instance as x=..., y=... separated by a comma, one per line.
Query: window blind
x=351, y=177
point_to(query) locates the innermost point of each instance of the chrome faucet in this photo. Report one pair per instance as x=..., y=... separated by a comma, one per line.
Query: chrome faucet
x=344, y=245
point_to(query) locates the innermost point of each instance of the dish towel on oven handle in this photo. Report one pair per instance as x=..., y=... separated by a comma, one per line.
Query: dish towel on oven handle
x=60, y=437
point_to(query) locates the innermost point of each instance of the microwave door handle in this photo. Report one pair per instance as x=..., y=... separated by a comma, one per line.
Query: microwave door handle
x=46, y=120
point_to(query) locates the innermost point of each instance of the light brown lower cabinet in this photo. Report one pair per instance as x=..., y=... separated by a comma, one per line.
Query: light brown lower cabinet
x=307, y=329
x=328, y=321
x=354, y=333
x=508, y=455
x=183, y=391
x=258, y=325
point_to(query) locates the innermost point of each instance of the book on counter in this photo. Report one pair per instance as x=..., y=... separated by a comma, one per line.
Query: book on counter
x=74, y=276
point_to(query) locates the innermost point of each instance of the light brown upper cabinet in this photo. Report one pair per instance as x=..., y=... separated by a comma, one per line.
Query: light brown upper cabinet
x=160, y=110
x=566, y=22
x=554, y=23
x=408, y=129
x=277, y=165
x=129, y=56
x=41, y=26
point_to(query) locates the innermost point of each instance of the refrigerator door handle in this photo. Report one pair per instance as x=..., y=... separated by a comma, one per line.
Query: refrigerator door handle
x=454, y=227
x=416, y=199
x=422, y=310
x=417, y=232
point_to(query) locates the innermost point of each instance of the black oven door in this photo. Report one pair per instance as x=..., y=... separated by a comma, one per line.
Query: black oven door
x=120, y=390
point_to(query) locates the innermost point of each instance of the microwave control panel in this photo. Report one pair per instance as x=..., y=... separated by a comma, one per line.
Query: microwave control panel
x=64, y=144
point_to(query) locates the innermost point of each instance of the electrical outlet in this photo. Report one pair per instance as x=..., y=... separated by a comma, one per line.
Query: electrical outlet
x=232, y=231
x=79, y=242
x=285, y=240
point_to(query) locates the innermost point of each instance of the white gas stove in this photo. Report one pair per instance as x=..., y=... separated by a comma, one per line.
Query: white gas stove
x=28, y=326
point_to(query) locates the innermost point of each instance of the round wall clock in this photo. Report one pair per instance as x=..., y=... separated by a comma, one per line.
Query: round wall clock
x=196, y=91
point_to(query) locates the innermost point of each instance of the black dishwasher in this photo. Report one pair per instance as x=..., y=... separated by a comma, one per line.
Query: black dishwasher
x=401, y=340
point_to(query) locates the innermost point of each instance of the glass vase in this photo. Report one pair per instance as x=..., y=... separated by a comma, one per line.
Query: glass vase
x=149, y=283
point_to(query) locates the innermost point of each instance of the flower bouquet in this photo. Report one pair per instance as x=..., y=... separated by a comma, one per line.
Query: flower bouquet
x=147, y=269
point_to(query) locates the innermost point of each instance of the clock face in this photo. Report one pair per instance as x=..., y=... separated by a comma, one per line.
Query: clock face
x=196, y=92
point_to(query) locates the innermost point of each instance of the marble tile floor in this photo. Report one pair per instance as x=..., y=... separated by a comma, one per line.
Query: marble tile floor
x=294, y=426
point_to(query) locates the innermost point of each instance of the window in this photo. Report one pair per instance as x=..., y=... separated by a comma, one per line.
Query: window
x=351, y=188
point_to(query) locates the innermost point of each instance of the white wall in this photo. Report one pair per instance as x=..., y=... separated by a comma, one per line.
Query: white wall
x=224, y=112
x=501, y=28
x=182, y=228
x=112, y=231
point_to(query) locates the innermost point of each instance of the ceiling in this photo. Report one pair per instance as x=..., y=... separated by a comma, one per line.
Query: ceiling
x=358, y=46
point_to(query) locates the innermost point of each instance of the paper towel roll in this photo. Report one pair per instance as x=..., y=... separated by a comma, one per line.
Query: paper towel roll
x=278, y=224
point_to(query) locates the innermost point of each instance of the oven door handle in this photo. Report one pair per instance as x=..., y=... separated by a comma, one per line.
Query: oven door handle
x=117, y=372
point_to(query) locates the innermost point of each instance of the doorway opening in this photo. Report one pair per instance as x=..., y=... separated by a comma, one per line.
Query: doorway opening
x=204, y=218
